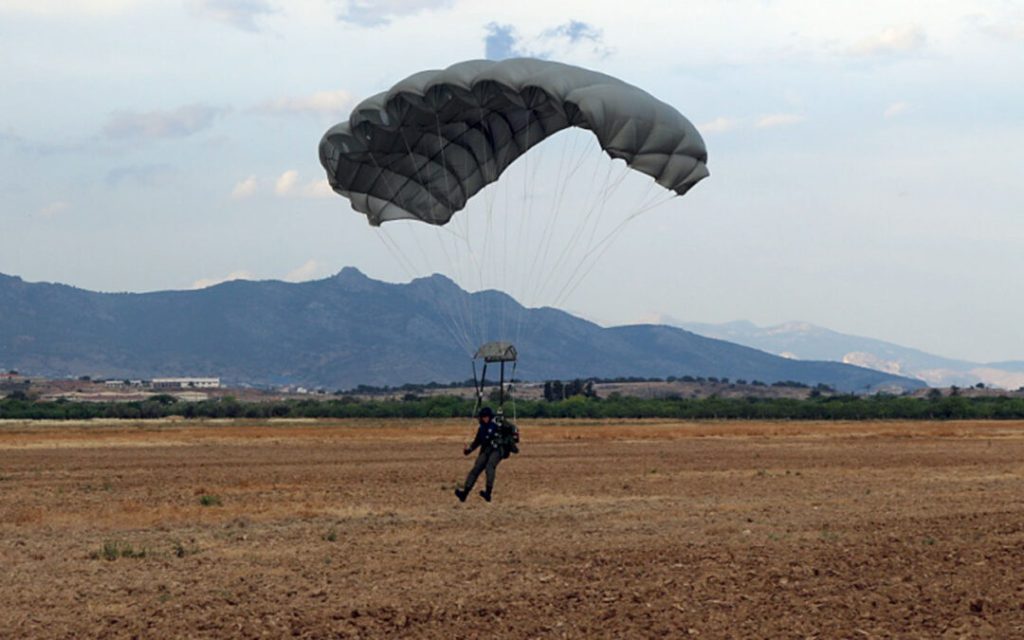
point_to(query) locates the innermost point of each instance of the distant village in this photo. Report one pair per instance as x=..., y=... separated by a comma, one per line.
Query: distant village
x=196, y=389
x=87, y=389
x=96, y=389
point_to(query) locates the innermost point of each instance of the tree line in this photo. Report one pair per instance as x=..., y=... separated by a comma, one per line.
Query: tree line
x=830, y=407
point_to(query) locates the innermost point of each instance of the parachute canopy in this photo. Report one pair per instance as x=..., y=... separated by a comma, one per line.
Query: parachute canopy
x=422, y=149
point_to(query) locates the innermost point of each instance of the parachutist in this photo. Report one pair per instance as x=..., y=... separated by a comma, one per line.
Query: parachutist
x=494, y=440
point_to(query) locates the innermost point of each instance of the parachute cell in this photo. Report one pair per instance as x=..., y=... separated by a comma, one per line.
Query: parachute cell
x=424, y=148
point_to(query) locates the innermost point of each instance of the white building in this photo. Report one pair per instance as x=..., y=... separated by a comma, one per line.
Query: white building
x=186, y=383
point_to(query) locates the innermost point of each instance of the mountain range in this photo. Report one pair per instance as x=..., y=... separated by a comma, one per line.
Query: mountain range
x=349, y=329
x=806, y=341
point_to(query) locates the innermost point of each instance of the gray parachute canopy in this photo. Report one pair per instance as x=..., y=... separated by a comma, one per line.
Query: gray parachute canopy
x=424, y=148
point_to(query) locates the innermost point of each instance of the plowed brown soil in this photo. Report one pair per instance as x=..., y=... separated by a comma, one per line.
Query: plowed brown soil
x=598, y=530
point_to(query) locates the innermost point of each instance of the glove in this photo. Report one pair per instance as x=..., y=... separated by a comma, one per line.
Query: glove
x=466, y=451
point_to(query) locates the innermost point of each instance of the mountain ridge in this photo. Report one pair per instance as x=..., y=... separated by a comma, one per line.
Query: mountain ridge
x=350, y=329
x=805, y=340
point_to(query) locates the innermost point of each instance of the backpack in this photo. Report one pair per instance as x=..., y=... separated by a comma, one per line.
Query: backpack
x=507, y=438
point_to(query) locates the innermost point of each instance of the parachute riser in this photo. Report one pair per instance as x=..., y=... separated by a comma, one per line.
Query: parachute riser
x=478, y=387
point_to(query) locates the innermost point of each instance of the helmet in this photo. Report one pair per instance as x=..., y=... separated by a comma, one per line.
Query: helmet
x=487, y=411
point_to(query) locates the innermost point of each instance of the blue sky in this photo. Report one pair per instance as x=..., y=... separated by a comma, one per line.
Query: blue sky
x=866, y=172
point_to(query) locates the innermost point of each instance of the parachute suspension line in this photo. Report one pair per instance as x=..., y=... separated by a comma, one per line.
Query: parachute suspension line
x=455, y=243
x=598, y=250
x=598, y=207
x=483, y=383
x=459, y=236
x=580, y=230
x=561, y=186
x=523, y=214
x=396, y=252
x=452, y=237
x=490, y=199
x=451, y=323
x=452, y=319
x=583, y=267
x=451, y=326
x=535, y=284
x=465, y=220
x=419, y=178
x=541, y=256
x=480, y=319
x=577, y=277
x=464, y=319
x=654, y=197
x=504, y=243
x=546, y=275
x=511, y=391
x=478, y=387
x=545, y=241
x=590, y=267
x=443, y=235
x=470, y=318
x=458, y=243
x=399, y=256
x=490, y=194
x=529, y=276
x=501, y=386
x=468, y=274
x=525, y=222
x=602, y=247
x=655, y=203
x=466, y=342
x=603, y=205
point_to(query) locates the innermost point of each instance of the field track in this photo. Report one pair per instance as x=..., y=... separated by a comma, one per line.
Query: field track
x=327, y=529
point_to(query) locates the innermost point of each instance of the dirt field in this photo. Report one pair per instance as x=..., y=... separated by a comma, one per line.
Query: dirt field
x=611, y=530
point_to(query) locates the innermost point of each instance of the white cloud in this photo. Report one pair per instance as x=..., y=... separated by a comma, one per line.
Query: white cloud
x=288, y=184
x=1012, y=30
x=896, y=109
x=144, y=174
x=722, y=124
x=890, y=41
x=373, y=13
x=317, y=189
x=241, y=274
x=53, y=209
x=327, y=103
x=503, y=41
x=244, y=188
x=719, y=125
x=63, y=7
x=307, y=271
x=778, y=120
x=241, y=14
x=285, y=183
x=171, y=123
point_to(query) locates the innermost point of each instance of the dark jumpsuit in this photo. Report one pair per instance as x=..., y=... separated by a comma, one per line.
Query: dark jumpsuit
x=488, y=458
